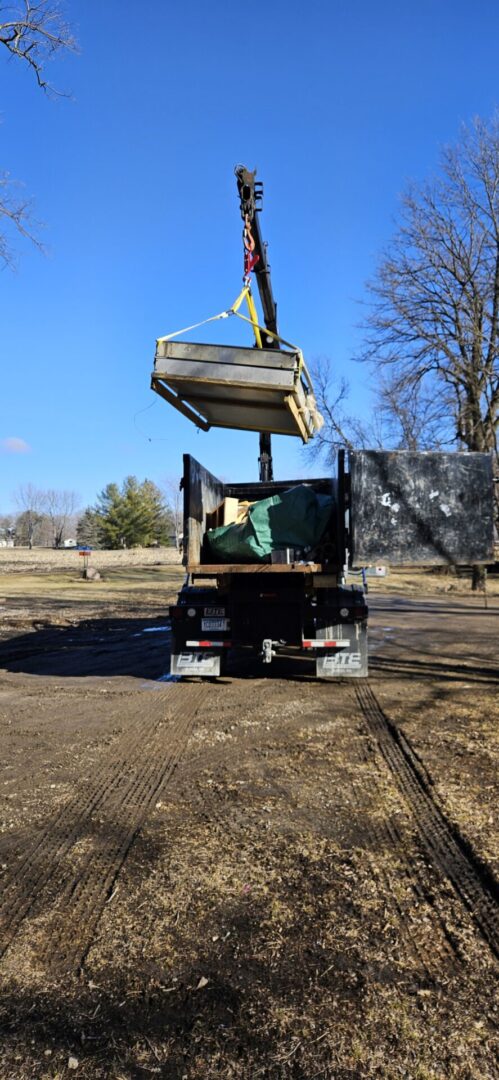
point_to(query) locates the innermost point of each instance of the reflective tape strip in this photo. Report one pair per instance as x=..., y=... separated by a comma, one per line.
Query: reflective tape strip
x=209, y=644
x=316, y=644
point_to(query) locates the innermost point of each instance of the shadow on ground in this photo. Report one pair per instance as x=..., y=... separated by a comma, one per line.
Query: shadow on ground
x=102, y=647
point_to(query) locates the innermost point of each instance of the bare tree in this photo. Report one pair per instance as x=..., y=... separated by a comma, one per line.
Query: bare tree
x=341, y=429
x=30, y=502
x=331, y=395
x=175, y=505
x=15, y=211
x=416, y=419
x=435, y=314
x=35, y=32
x=60, y=507
x=433, y=331
x=32, y=32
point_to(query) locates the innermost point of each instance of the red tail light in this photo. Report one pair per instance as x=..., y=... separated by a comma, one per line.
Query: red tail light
x=360, y=612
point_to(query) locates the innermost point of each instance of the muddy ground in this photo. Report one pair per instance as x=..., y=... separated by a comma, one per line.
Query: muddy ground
x=259, y=877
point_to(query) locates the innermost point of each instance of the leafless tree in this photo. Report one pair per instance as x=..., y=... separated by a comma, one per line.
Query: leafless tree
x=61, y=508
x=331, y=395
x=417, y=419
x=174, y=502
x=434, y=322
x=433, y=330
x=30, y=502
x=341, y=429
x=33, y=32
x=15, y=211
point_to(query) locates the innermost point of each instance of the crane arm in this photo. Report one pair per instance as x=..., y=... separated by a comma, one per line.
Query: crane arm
x=250, y=195
x=256, y=261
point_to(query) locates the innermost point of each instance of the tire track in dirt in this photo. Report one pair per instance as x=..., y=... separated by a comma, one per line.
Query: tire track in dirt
x=431, y=952
x=29, y=876
x=447, y=849
x=385, y=835
x=106, y=815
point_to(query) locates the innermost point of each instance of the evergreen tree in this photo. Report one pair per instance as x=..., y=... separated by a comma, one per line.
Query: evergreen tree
x=88, y=528
x=134, y=515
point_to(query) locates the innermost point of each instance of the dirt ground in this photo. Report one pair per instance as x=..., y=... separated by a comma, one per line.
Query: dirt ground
x=255, y=877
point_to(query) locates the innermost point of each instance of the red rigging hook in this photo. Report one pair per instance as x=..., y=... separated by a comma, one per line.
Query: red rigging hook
x=248, y=238
x=250, y=260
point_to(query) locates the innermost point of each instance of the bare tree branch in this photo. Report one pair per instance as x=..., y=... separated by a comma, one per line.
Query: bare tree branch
x=30, y=502
x=175, y=505
x=60, y=507
x=340, y=429
x=16, y=212
x=433, y=331
x=33, y=32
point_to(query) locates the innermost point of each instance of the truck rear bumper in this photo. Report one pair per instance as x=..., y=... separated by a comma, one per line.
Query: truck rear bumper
x=345, y=658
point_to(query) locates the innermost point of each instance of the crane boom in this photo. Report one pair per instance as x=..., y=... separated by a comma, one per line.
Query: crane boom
x=250, y=195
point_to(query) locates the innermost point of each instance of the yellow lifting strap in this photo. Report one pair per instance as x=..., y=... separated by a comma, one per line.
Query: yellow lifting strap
x=258, y=330
x=247, y=295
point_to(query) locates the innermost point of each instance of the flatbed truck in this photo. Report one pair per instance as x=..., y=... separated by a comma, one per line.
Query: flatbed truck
x=403, y=508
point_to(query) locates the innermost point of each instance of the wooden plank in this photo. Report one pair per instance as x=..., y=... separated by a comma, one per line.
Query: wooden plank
x=177, y=402
x=218, y=569
x=297, y=417
x=224, y=514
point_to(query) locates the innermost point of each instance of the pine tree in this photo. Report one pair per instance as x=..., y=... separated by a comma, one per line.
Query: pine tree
x=134, y=515
x=88, y=529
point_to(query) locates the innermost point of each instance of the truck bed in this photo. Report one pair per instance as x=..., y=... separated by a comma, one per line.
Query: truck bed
x=203, y=493
x=406, y=508
x=215, y=569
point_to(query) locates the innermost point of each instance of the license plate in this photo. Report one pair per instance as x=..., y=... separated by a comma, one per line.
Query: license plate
x=214, y=624
x=214, y=611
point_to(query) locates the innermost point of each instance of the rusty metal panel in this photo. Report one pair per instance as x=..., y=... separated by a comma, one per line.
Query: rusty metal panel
x=416, y=508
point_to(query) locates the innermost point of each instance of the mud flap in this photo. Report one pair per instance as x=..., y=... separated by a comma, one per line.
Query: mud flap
x=195, y=663
x=350, y=663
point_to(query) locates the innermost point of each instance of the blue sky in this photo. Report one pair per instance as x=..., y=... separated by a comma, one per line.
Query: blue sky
x=337, y=104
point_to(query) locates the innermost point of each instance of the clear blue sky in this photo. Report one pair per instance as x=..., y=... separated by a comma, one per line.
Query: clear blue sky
x=338, y=104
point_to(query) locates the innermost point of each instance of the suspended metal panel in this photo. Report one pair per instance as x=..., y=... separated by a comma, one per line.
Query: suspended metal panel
x=241, y=388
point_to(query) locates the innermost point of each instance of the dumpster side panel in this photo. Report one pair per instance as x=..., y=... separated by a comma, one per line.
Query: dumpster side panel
x=203, y=492
x=411, y=508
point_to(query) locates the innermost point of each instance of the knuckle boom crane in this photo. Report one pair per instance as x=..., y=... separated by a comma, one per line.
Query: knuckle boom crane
x=267, y=563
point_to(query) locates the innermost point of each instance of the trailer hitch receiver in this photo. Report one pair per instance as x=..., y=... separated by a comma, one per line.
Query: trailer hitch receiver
x=267, y=651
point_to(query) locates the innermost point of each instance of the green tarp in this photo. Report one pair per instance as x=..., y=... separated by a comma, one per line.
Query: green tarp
x=295, y=519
